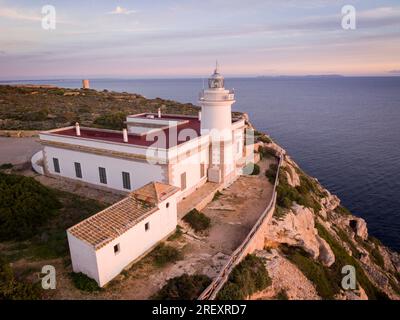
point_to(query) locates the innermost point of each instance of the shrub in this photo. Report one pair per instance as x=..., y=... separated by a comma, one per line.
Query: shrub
x=270, y=173
x=25, y=205
x=343, y=210
x=197, y=220
x=13, y=289
x=176, y=235
x=84, y=283
x=281, y=295
x=251, y=169
x=6, y=166
x=184, y=287
x=113, y=121
x=266, y=152
x=164, y=254
x=264, y=138
x=217, y=195
x=248, y=277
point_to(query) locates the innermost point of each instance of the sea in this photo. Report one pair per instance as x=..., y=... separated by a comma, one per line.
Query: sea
x=345, y=131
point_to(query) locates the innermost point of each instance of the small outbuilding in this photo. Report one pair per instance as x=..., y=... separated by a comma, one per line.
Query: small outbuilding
x=102, y=245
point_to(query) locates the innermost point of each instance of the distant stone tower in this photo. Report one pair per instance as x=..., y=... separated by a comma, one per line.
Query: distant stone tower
x=85, y=84
x=216, y=119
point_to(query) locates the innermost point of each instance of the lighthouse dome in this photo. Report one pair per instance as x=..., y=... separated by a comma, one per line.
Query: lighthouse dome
x=216, y=81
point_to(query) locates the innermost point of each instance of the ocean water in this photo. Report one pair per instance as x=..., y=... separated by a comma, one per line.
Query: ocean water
x=345, y=131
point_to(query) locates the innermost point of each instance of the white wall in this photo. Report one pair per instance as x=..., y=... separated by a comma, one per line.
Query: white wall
x=141, y=172
x=83, y=257
x=136, y=241
x=190, y=165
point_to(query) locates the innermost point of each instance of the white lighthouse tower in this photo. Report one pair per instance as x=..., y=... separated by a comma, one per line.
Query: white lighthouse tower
x=216, y=120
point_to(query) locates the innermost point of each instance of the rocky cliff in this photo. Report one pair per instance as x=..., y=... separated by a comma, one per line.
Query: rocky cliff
x=311, y=238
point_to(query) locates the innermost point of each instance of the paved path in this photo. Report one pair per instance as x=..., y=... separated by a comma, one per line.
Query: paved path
x=198, y=199
x=18, y=150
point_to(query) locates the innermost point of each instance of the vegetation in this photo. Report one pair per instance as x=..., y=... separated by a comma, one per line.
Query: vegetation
x=281, y=295
x=270, y=173
x=217, y=195
x=13, y=289
x=197, y=220
x=184, y=287
x=176, y=235
x=342, y=210
x=251, y=169
x=84, y=283
x=342, y=258
x=304, y=194
x=264, y=138
x=5, y=166
x=50, y=240
x=164, y=254
x=25, y=206
x=280, y=212
x=248, y=277
x=111, y=120
x=23, y=108
x=266, y=152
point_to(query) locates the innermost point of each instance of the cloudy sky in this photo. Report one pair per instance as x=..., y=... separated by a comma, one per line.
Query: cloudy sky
x=180, y=38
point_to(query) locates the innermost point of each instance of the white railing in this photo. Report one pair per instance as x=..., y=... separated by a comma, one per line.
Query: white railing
x=216, y=285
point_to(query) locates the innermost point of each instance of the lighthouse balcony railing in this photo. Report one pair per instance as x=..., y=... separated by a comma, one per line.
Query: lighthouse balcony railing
x=230, y=96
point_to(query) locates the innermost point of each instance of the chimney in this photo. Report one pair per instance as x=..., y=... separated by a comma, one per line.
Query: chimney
x=159, y=112
x=199, y=115
x=125, y=134
x=77, y=129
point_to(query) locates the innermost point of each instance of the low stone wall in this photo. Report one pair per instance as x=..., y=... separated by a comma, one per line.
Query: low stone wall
x=253, y=241
x=19, y=133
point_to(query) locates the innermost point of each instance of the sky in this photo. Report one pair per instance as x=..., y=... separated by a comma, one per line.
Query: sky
x=183, y=38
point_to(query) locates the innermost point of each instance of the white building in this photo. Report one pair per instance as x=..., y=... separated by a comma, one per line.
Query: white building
x=105, y=243
x=181, y=152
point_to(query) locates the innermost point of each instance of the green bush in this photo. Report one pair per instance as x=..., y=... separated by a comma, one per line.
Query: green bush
x=266, y=152
x=84, y=283
x=176, y=235
x=6, y=166
x=264, y=138
x=303, y=194
x=251, y=169
x=164, y=254
x=282, y=295
x=184, y=287
x=25, y=205
x=248, y=277
x=270, y=173
x=217, y=195
x=197, y=220
x=13, y=289
x=114, y=121
x=342, y=210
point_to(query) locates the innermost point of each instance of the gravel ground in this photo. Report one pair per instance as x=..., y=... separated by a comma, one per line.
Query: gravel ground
x=18, y=150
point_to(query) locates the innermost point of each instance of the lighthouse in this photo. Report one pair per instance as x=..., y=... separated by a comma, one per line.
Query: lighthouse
x=216, y=120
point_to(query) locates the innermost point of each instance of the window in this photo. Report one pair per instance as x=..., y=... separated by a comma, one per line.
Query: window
x=78, y=170
x=183, y=181
x=116, y=249
x=167, y=205
x=56, y=164
x=202, y=170
x=147, y=226
x=126, y=180
x=102, y=175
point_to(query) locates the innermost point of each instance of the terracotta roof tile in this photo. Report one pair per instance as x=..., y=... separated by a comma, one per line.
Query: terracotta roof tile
x=105, y=226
